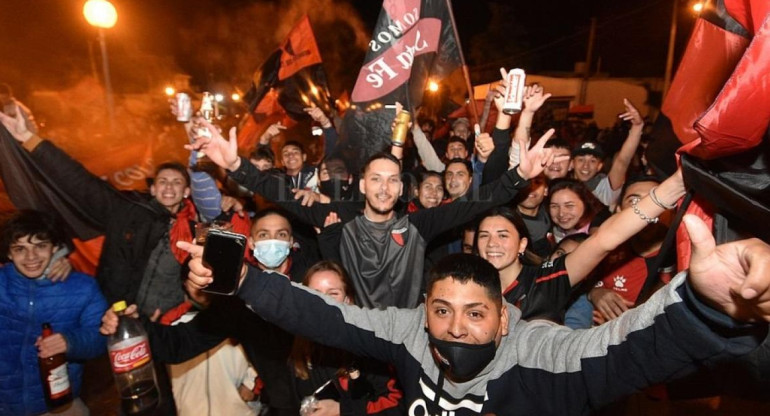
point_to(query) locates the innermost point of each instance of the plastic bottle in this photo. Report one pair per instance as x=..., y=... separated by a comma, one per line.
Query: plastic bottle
x=132, y=365
x=54, y=376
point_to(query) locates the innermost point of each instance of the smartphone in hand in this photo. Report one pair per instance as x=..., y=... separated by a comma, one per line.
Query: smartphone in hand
x=223, y=254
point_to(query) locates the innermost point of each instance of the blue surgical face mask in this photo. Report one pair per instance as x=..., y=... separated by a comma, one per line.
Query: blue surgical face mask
x=271, y=253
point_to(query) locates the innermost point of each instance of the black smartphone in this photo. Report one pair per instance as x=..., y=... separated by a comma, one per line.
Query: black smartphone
x=223, y=254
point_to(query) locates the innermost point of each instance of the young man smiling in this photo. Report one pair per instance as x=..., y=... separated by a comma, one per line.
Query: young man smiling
x=29, y=298
x=587, y=160
x=384, y=252
x=466, y=351
x=140, y=262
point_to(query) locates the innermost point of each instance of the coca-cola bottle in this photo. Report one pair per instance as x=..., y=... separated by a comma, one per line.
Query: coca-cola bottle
x=54, y=376
x=132, y=365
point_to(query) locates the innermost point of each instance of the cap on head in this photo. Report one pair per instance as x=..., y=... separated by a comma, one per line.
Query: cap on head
x=588, y=148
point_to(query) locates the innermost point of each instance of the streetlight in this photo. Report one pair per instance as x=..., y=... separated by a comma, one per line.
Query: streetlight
x=102, y=15
x=697, y=7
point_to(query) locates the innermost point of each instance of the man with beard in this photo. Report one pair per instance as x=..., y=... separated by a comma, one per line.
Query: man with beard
x=382, y=250
x=627, y=268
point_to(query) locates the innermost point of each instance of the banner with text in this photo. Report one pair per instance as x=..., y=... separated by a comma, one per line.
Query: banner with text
x=413, y=42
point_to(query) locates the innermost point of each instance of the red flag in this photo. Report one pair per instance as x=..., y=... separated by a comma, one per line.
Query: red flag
x=291, y=79
x=299, y=50
x=267, y=112
x=718, y=103
x=718, y=110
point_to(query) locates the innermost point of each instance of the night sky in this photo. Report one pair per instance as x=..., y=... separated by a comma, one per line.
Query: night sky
x=45, y=43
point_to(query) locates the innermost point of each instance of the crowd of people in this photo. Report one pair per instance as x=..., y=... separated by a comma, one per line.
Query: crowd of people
x=477, y=273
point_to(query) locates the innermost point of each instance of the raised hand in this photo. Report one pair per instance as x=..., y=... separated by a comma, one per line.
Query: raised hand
x=733, y=277
x=200, y=276
x=631, y=114
x=534, y=98
x=17, y=126
x=500, y=93
x=222, y=152
x=272, y=131
x=484, y=146
x=332, y=218
x=533, y=161
x=318, y=116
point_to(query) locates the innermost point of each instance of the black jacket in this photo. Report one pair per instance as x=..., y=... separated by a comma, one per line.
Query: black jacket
x=267, y=346
x=133, y=223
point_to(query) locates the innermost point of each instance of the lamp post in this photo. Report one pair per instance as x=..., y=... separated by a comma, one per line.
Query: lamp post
x=102, y=15
x=697, y=8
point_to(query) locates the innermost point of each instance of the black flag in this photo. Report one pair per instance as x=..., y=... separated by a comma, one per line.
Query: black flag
x=413, y=42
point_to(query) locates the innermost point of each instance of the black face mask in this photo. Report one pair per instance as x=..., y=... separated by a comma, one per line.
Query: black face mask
x=462, y=361
x=336, y=189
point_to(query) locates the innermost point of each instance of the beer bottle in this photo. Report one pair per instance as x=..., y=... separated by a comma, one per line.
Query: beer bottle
x=54, y=376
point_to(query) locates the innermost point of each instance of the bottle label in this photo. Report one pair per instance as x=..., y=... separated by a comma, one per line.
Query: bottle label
x=131, y=357
x=59, y=381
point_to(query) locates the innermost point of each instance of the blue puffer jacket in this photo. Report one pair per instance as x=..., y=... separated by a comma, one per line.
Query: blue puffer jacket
x=73, y=307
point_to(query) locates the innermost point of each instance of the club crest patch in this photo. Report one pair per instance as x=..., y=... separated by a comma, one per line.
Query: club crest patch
x=399, y=236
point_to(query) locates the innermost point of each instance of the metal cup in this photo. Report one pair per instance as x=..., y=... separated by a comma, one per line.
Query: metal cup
x=514, y=91
x=183, y=107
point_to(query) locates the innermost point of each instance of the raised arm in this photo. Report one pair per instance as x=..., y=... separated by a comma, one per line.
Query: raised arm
x=617, y=174
x=433, y=221
x=204, y=192
x=620, y=227
x=276, y=188
x=330, y=134
x=497, y=163
x=671, y=335
x=302, y=311
x=716, y=311
x=534, y=98
x=90, y=194
x=427, y=153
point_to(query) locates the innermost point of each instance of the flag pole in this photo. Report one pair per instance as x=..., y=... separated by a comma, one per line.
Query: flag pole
x=466, y=72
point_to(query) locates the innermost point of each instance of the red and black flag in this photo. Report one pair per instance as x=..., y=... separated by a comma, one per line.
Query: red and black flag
x=413, y=42
x=289, y=80
x=29, y=188
x=717, y=112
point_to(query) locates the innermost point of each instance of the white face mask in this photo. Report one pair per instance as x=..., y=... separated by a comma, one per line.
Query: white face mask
x=271, y=253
